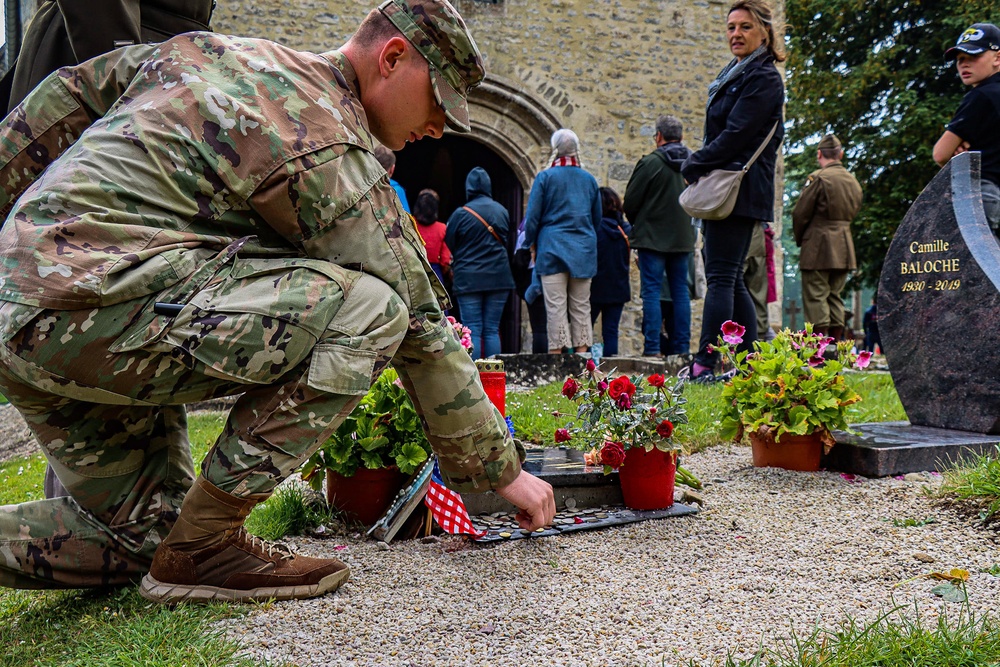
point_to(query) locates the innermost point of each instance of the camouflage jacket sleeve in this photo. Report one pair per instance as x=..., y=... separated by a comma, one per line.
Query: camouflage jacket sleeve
x=56, y=113
x=337, y=204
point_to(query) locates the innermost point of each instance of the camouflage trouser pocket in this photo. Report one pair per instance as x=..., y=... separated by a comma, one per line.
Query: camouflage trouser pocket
x=260, y=321
x=339, y=369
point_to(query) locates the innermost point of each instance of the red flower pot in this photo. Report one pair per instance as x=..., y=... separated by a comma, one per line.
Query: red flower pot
x=793, y=452
x=366, y=495
x=647, y=478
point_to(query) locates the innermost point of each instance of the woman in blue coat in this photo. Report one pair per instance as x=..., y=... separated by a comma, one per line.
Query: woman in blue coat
x=744, y=103
x=564, y=212
x=610, y=289
x=481, y=277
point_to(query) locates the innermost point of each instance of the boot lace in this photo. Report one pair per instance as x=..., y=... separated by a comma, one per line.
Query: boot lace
x=272, y=549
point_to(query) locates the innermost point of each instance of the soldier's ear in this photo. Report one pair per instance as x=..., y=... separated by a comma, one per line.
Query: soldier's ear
x=392, y=55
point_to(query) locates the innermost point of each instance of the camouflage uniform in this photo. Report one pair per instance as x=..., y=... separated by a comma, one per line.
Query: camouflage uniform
x=234, y=178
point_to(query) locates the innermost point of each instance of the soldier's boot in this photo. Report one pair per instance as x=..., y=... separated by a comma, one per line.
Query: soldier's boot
x=209, y=556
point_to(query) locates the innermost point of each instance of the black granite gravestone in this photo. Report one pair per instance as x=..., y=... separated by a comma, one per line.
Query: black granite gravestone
x=938, y=303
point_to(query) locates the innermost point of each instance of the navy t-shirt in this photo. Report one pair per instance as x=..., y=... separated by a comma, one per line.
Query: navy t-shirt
x=978, y=122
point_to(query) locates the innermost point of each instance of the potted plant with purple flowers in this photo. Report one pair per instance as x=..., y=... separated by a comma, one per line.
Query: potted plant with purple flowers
x=628, y=423
x=787, y=395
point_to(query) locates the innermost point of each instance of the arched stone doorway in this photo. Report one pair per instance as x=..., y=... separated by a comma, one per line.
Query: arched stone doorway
x=510, y=140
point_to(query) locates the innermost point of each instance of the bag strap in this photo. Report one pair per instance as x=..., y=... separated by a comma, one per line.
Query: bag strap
x=486, y=224
x=625, y=236
x=762, y=146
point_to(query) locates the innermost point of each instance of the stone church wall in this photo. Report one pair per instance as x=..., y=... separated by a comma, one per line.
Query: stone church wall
x=603, y=68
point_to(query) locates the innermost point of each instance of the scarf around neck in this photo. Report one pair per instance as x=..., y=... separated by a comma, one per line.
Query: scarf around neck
x=566, y=161
x=730, y=72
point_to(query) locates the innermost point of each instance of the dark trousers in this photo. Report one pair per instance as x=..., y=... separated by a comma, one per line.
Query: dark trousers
x=539, y=326
x=726, y=245
x=611, y=315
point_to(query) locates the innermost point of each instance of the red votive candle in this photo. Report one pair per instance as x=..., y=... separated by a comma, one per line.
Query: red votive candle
x=494, y=381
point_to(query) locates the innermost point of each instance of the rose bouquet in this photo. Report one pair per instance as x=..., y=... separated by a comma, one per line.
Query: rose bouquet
x=615, y=414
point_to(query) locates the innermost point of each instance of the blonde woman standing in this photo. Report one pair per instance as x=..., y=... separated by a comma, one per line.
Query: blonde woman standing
x=744, y=103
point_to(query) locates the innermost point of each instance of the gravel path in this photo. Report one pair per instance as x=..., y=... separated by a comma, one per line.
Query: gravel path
x=772, y=550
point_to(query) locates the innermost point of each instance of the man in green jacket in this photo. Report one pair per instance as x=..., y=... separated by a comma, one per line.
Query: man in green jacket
x=821, y=222
x=663, y=235
x=206, y=217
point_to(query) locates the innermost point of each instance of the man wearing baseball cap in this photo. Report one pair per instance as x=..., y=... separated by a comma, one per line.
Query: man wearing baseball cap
x=976, y=124
x=206, y=217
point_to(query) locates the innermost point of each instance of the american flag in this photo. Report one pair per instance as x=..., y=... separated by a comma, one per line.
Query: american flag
x=447, y=507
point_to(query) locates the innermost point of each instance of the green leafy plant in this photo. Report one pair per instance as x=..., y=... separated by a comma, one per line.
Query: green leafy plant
x=910, y=522
x=616, y=414
x=786, y=385
x=383, y=430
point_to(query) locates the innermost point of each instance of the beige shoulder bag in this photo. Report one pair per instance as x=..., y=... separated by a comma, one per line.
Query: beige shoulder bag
x=713, y=196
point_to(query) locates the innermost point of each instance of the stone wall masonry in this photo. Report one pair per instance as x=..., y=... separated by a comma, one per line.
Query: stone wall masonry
x=603, y=68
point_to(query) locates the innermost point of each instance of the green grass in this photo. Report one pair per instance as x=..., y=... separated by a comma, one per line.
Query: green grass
x=532, y=413
x=898, y=638
x=290, y=511
x=975, y=481
x=535, y=422
x=115, y=627
x=879, y=400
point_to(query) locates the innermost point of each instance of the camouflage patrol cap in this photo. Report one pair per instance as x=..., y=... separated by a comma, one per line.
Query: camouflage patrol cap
x=829, y=141
x=437, y=31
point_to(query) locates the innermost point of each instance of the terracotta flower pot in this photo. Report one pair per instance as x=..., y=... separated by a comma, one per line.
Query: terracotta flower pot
x=647, y=478
x=366, y=495
x=793, y=452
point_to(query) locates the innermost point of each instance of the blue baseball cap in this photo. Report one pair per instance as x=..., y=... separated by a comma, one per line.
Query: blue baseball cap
x=979, y=38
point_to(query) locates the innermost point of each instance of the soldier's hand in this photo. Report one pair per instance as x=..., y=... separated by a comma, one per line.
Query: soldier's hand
x=534, y=497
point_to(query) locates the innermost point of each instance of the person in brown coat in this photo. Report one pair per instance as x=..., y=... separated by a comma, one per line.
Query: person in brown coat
x=821, y=222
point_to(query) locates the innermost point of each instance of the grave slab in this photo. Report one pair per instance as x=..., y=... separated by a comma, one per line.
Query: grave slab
x=896, y=448
x=571, y=480
x=500, y=527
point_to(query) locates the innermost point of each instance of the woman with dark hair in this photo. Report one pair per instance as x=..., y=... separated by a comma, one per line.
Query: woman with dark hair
x=432, y=231
x=610, y=290
x=744, y=105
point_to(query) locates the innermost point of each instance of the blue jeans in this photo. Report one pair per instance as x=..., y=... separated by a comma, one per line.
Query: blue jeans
x=652, y=266
x=611, y=316
x=481, y=312
x=726, y=245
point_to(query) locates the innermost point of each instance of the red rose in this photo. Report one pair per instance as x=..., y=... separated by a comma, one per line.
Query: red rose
x=620, y=385
x=591, y=366
x=655, y=380
x=570, y=387
x=665, y=428
x=612, y=454
x=602, y=387
x=623, y=401
x=562, y=435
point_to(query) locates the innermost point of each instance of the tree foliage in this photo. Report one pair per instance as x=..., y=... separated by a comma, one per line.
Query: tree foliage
x=873, y=72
